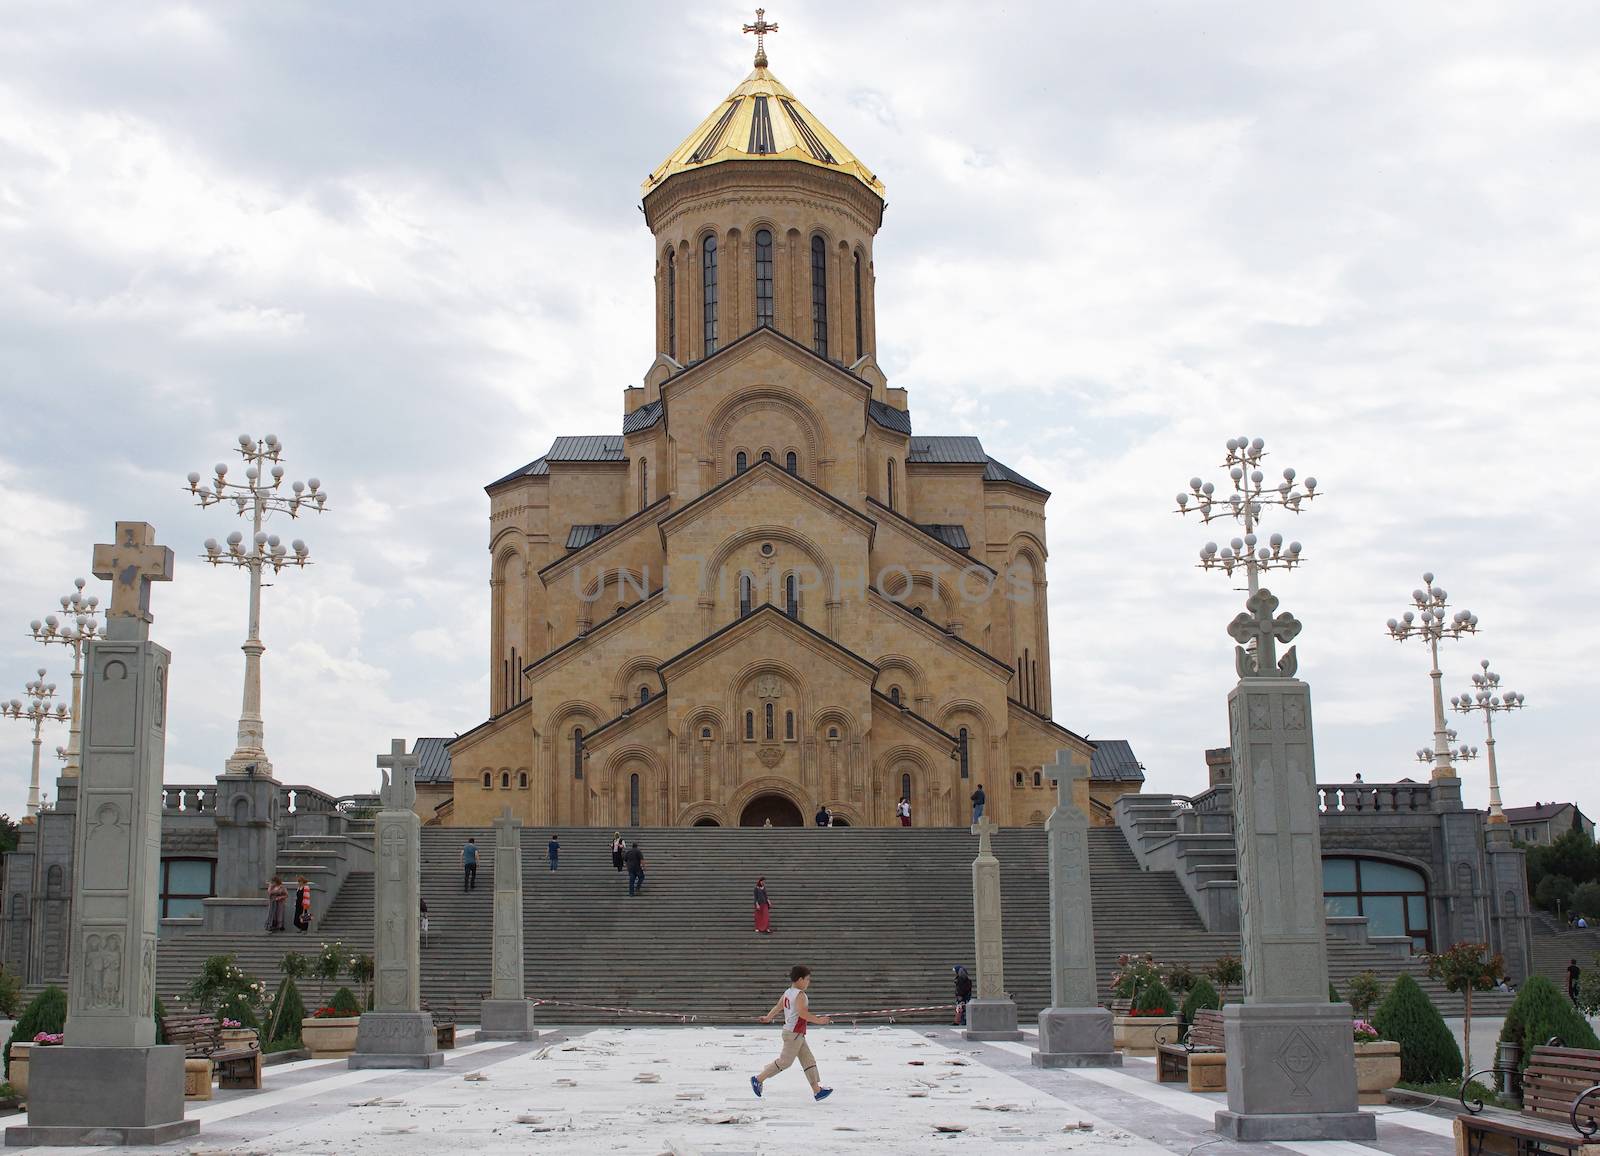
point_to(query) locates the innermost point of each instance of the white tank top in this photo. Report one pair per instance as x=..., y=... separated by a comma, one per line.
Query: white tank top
x=791, y=1012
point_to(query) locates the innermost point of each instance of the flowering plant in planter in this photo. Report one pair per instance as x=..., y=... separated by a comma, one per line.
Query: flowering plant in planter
x=1147, y=1012
x=227, y=1023
x=47, y=1039
x=327, y=1013
x=1365, y=1032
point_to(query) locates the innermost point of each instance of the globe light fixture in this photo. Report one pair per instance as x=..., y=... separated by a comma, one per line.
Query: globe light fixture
x=1488, y=699
x=1426, y=620
x=1245, y=498
x=77, y=625
x=36, y=709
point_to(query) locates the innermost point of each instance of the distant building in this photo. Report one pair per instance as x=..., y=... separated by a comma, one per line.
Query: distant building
x=1547, y=822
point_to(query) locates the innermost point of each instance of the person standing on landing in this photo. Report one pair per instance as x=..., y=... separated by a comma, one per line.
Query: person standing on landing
x=469, y=865
x=554, y=851
x=302, y=905
x=763, y=907
x=277, y=900
x=903, y=809
x=796, y=1009
x=978, y=799
x=618, y=849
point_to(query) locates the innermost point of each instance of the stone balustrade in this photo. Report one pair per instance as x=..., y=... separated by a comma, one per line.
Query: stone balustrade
x=303, y=800
x=1374, y=798
x=189, y=799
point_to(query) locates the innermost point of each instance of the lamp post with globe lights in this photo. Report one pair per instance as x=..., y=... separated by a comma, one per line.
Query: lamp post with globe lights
x=76, y=627
x=35, y=710
x=1461, y=754
x=1487, y=697
x=1427, y=622
x=258, y=497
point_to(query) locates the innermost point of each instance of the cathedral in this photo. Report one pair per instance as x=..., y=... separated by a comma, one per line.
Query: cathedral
x=766, y=594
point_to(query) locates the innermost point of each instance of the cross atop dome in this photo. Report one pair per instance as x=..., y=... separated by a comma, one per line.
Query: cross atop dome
x=761, y=28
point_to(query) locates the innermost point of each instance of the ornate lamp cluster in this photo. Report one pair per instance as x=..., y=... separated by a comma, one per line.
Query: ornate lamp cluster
x=1427, y=621
x=36, y=710
x=258, y=497
x=1461, y=754
x=75, y=627
x=1487, y=698
x=1246, y=504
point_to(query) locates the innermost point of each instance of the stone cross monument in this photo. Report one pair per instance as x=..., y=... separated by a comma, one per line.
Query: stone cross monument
x=110, y=1082
x=1291, y=1056
x=506, y=1015
x=397, y=1033
x=992, y=1015
x=1075, y=1031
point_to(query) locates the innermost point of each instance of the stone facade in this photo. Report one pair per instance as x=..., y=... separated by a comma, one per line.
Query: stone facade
x=765, y=594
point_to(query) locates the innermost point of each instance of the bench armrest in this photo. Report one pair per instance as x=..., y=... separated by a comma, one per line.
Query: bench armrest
x=1592, y=1125
x=1476, y=1105
x=1178, y=1030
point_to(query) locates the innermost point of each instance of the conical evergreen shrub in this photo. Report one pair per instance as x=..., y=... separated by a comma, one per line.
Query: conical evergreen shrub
x=1201, y=996
x=345, y=1003
x=1428, y=1052
x=1541, y=1012
x=1154, y=996
x=46, y=1013
x=287, y=1012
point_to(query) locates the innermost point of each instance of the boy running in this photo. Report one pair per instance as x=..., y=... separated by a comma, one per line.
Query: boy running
x=796, y=1009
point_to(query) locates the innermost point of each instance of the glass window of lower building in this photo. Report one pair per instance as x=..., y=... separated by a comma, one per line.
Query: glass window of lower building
x=184, y=883
x=1393, y=897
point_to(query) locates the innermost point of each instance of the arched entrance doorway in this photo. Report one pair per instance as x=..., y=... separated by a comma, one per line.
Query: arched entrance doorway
x=780, y=810
x=706, y=821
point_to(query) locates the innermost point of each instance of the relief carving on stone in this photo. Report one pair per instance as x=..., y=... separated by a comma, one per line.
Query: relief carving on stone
x=102, y=958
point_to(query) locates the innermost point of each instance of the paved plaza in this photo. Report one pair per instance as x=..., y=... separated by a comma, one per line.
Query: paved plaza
x=685, y=1090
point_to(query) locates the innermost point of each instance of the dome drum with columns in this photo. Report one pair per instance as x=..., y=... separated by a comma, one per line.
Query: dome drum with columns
x=766, y=593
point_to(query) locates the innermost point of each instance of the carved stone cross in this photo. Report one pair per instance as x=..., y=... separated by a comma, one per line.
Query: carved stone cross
x=399, y=793
x=1064, y=773
x=132, y=562
x=983, y=828
x=1258, y=625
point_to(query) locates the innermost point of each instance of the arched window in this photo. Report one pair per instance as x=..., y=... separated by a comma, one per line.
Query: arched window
x=1394, y=898
x=488, y=781
x=577, y=752
x=791, y=596
x=965, y=768
x=672, y=304
x=522, y=780
x=749, y=725
x=769, y=721
x=633, y=800
x=705, y=732
x=746, y=594
x=644, y=695
x=505, y=780
x=766, y=455
x=894, y=695
x=889, y=489
x=1019, y=779
x=763, y=277
x=741, y=462
x=792, y=462
x=788, y=724
x=860, y=344
x=905, y=786
x=819, y=295
x=708, y=262
x=644, y=482
x=1038, y=781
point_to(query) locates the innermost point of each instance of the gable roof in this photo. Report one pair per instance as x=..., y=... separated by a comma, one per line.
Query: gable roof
x=759, y=616
x=947, y=451
x=757, y=471
x=1537, y=813
x=1113, y=761
x=434, y=756
x=888, y=417
x=644, y=417
x=538, y=468
x=586, y=448
x=998, y=471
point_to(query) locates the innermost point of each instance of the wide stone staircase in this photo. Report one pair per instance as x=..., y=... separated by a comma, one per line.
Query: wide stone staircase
x=881, y=915
x=1554, y=946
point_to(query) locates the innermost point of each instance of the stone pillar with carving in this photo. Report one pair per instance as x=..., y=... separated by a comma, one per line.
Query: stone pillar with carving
x=506, y=1014
x=110, y=1082
x=1074, y=1031
x=247, y=846
x=397, y=1033
x=991, y=1015
x=1291, y=1053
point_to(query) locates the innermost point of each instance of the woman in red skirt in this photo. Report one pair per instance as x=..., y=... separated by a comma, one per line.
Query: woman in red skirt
x=763, y=907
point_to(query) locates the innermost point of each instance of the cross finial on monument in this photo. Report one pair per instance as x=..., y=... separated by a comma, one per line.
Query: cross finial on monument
x=399, y=792
x=132, y=562
x=761, y=27
x=1064, y=773
x=983, y=828
x=1257, y=624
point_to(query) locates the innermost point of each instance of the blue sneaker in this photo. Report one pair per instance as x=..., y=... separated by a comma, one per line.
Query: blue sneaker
x=755, y=1086
x=822, y=1093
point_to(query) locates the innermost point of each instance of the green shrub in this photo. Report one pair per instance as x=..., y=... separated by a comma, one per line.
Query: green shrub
x=223, y=983
x=1364, y=991
x=1539, y=1012
x=1154, y=997
x=345, y=1003
x=1201, y=996
x=1586, y=899
x=161, y=1014
x=295, y=966
x=47, y=1013
x=237, y=1007
x=10, y=994
x=1228, y=972
x=1428, y=1052
x=1333, y=993
x=1554, y=893
x=288, y=1009
x=1179, y=977
x=1133, y=972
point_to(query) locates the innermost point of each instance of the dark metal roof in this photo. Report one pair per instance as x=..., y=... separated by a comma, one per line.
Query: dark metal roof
x=581, y=535
x=948, y=451
x=642, y=418
x=1000, y=472
x=1536, y=813
x=952, y=535
x=586, y=448
x=537, y=468
x=434, y=766
x=888, y=417
x=1113, y=761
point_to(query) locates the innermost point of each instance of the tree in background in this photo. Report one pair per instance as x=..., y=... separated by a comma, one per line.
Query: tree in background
x=1554, y=893
x=1364, y=992
x=1466, y=968
x=1586, y=900
x=1574, y=856
x=1228, y=971
x=1428, y=1052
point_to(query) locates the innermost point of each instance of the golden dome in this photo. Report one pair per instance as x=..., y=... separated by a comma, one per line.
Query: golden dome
x=762, y=120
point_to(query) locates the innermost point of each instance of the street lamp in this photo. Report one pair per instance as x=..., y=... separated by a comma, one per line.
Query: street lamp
x=1461, y=754
x=1487, y=697
x=76, y=627
x=36, y=710
x=1427, y=621
x=258, y=497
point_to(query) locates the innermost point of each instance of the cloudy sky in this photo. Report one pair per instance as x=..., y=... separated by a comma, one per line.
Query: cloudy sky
x=404, y=238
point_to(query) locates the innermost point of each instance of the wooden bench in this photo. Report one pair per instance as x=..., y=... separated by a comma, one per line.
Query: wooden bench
x=1560, y=1108
x=444, y=1027
x=236, y=1065
x=1200, y=1056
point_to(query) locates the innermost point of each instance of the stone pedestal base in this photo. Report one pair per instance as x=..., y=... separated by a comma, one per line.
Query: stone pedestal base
x=224, y=914
x=396, y=1040
x=992, y=1019
x=91, y=1096
x=1291, y=1074
x=506, y=1019
x=1075, y=1037
x=197, y=1079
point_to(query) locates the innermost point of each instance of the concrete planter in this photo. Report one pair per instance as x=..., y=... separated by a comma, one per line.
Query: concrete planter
x=238, y=1037
x=1136, y=1035
x=330, y=1039
x=1377, y=1069
x=17, y=1074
